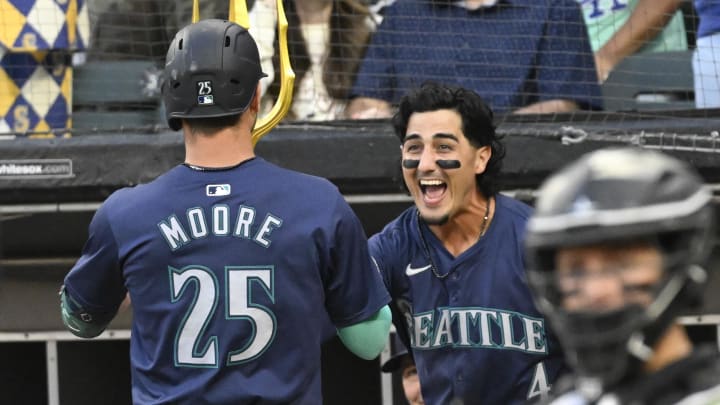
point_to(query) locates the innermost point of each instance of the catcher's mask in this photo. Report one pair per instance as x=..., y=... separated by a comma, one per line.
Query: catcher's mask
x=614, y=197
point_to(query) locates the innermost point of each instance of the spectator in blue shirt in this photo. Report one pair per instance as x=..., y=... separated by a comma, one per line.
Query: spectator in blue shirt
x=523, y=56
x=706, y=66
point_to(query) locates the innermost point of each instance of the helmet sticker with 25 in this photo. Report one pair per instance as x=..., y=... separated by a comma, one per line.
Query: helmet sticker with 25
x=204, y=91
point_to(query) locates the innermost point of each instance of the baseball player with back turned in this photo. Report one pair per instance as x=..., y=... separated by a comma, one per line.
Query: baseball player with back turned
x=454, y=262
x=233, y=264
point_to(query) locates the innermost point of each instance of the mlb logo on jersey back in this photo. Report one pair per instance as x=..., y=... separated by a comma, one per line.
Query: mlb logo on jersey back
x=217, y=190
x=204, y=91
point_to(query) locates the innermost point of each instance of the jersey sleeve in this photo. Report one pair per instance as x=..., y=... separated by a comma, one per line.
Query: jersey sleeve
x=95, y=282
x=379, y=259
x=353, y=287
x=382, y=252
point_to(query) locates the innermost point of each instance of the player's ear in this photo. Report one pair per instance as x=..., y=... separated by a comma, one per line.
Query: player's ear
x=255, y=103
x=482, y=157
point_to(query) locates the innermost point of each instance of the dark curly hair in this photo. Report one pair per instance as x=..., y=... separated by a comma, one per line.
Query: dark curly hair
x=477, y=123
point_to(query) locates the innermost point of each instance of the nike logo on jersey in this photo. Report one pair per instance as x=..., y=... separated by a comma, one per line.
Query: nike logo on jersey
x=410, y=271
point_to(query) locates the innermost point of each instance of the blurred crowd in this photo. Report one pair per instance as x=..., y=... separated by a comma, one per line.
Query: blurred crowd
x=354, y=58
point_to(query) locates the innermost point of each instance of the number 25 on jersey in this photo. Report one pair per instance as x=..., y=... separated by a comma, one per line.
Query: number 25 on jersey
x=240, y=283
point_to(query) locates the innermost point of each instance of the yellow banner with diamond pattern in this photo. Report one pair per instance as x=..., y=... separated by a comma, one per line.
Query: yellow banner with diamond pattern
x=37, y=38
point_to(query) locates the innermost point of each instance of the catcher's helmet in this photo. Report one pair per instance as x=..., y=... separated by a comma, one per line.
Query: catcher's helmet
x=616, y=196
x=212, y=70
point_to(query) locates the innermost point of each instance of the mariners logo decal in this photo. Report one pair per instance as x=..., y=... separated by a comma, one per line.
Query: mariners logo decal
x=205, y=96
x=217, y=190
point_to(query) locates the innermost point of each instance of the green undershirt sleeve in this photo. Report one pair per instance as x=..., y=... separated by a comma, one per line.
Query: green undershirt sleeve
x=72, y=317
x=368, y=338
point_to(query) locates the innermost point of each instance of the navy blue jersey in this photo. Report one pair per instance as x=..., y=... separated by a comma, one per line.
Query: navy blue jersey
x=470, y=320
x=233, y=275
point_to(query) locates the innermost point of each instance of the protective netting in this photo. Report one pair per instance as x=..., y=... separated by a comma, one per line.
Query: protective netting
x=84, y=66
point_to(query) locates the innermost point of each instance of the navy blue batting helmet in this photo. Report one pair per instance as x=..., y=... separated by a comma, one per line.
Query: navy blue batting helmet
x=212, y=70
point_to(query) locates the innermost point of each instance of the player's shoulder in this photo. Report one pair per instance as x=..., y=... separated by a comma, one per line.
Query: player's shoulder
x=398, y=230
x=709, y=396
x=293, y=180
x=519, y=210
x=137, y=198
x=305, y=193
x=703, y=375
x=692, y=380
x=400, y=224
x=393, y=243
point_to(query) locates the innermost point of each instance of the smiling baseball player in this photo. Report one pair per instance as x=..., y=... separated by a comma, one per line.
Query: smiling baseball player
x=454, y=263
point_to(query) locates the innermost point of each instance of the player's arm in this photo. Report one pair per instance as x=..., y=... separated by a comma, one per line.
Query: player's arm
x=80, y=321
x=356, y=297
x=94, y=288
x=367, y=339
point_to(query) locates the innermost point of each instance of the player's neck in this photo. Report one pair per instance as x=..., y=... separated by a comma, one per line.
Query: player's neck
x=225, y=148
x=672, y=346
x=465, y=228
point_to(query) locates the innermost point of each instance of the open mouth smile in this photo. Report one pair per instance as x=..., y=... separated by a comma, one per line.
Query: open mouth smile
x=433, y=191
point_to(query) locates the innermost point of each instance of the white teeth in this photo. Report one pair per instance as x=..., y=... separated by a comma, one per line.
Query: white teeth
x=431, y=182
